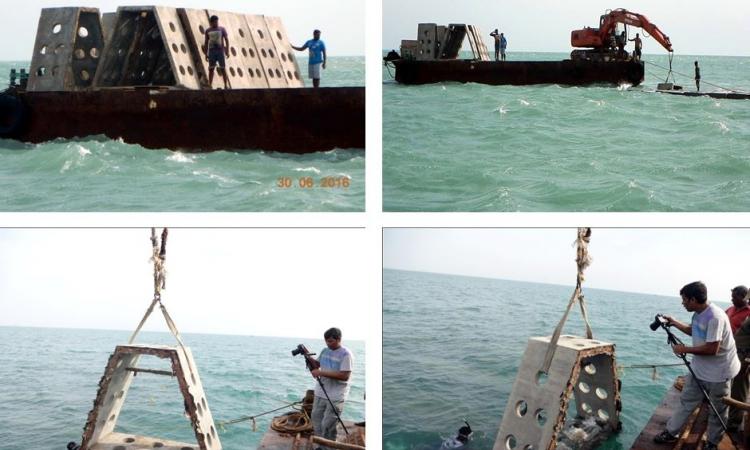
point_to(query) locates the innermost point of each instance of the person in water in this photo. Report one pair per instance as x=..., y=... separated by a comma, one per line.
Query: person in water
x=462, y=438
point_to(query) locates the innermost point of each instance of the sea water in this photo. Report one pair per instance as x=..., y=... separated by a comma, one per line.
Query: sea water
x=50, y=379
x=473, y=147
x=452, y=346
x=100, y=174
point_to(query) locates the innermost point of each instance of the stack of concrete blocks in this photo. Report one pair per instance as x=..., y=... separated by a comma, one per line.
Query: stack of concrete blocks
x=165, y=46
x=409, y=49
x=99, y=432
x=426, y=35
x=581, y=368
x=67, y=50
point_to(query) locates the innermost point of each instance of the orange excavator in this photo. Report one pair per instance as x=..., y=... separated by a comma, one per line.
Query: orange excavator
x=607, y=43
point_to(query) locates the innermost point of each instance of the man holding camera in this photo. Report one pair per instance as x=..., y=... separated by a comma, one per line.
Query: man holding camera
x=334, y=372
x=714, y=363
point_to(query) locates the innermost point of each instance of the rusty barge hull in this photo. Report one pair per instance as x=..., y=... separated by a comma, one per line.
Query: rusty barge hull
x=300, y=120
x=566, y=72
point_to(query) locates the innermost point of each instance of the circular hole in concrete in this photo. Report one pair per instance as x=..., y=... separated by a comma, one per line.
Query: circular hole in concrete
x=43, y=50
x=590, y=369
x=129, y=440
x=210, y=441
x=172, y=27
x=602, y=414
x=244, y=52
x=521, y=408
x=158, y=445
x=143, y=74
x=94, y=52
x=586, y=408
x=252, y=53
x=601, y=393
x=85, y=75
x=540, y=378
x=119, y=447
x=175, y=48
x=596, y=342
x=541, y=417
x=213, y=431
x=296, y=75
x=528, y=447
x=83, y=32
x=203, y=401
x=263, y=52
x=289, y=74
x=182, y=70
x=584, y=387
x=55, y=71
x=57, y=28
x=112, y=417
x=270, y=73
x=190, y=71
x=183, y=48
x=278, y=74
x=79, y=53
x=250, y=72
x=278, y=35
x=510, y=442
x=186, y=448
x=59, y=49
x=239, y=72
x=283, y=57
x=270, y=53
x=120, y=394
x=201, y=29
x=258, y=73
x=290, y=56
x=234, y=51
x=242, y=33
x=260, y=34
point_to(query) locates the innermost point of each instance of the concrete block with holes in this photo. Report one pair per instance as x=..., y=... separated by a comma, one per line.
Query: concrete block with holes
x=426, y=35
x=582, y=369
x=68, y=46
x=99, y=432
x=148, y=46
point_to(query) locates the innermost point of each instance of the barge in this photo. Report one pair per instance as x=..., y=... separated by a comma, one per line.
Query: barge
x=599, y=56
x=141, y=75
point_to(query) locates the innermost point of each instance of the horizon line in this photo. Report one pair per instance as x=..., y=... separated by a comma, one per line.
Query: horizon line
x=536, y=282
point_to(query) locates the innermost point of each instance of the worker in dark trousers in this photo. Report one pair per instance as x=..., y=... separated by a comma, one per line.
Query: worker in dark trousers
x=697, y=76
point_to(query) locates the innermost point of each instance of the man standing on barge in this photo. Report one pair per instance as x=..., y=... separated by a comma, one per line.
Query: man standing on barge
x=714, y=363
x=335, y=370
x=216, y=48
x=318, y=57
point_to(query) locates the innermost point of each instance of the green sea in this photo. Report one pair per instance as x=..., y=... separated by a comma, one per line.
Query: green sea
x=50, y=379
x=452, y=346
x=100, y=174
x=473, y=147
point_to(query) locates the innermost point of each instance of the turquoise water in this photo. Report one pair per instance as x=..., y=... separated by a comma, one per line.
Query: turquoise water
x=99, y=174
x=50, y=378
x=452, y=346
x=472, y=147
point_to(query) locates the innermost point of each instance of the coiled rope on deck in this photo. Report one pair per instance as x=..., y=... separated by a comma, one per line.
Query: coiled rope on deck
x=583, y=260
x=222, y=425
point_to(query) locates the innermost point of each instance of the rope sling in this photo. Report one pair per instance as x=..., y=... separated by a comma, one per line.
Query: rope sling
x=583, y=260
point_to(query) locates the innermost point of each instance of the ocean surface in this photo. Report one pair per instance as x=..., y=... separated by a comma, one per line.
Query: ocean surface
x=50, y=378
x=452, y=346
x=100, y=174
x=473, y=147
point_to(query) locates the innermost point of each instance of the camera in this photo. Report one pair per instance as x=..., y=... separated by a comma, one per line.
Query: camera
x=659, y=321
x=300, y=350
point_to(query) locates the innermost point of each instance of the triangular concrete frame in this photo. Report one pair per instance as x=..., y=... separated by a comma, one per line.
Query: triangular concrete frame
x=99, y=431
x=583, y=369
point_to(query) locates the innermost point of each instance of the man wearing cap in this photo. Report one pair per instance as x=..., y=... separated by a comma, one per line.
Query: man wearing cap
x=317, y=59
x=216, y=48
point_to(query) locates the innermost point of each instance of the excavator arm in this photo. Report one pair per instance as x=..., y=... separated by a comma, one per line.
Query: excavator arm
x=598, y=38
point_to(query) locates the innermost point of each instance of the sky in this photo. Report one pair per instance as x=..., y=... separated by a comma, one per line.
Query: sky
x=652, y=261
x=341, y=21
x=695, y=27
x=260, y=282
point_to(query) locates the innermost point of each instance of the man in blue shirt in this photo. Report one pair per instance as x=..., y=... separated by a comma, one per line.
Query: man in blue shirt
x=317, y=59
